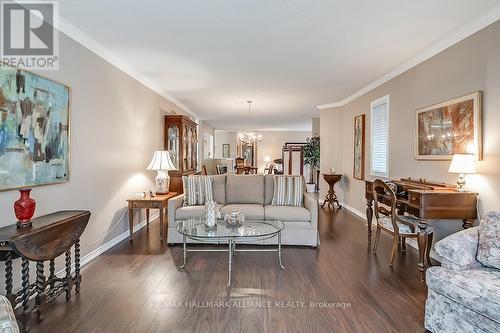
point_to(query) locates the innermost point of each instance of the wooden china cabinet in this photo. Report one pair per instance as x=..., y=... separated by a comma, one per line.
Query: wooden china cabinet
x=181, y=140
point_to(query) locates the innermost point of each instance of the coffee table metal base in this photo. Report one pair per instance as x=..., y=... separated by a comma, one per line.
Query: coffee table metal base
x=231, y=250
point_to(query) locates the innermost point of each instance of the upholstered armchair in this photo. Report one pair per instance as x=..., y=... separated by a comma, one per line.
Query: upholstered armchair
x=464, y=292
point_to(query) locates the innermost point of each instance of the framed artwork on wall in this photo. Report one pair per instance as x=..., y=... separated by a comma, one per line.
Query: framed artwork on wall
x=248, y=151
x=451, y=127
x=226, y=150
x=359, y=147
x=34, y=130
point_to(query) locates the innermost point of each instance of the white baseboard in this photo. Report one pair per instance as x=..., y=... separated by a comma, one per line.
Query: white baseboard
x=108, y=245
x=100, y=250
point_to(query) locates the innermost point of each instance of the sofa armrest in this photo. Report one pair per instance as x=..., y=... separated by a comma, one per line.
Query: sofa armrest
x=311, y=205
x=173, y=204
x=458, y=251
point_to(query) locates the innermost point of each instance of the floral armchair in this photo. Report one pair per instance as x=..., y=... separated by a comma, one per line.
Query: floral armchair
x=464, y=292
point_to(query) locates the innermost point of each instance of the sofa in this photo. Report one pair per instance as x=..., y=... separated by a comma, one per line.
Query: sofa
x=463, y=293
x=252, y=195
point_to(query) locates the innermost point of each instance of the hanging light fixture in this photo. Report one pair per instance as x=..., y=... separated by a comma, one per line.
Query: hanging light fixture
x=250, y=137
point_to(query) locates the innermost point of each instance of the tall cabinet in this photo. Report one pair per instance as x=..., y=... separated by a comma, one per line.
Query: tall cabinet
x=181, y=140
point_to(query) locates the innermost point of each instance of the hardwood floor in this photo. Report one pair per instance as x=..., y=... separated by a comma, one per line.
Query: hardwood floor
x=138, y=287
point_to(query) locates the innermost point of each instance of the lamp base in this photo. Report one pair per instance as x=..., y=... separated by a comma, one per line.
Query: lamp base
x=162, y=182
x=461, y=184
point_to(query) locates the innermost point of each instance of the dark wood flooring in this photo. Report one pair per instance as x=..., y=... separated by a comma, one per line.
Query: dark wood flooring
x=138, y=287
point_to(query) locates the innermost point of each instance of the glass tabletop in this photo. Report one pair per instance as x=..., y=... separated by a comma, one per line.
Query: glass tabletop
x=195, y=228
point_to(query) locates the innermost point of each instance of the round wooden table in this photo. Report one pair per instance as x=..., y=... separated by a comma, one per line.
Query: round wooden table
x=331, y=197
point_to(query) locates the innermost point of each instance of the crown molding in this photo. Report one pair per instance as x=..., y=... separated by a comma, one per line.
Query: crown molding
x=442, y=44
x=95, y=47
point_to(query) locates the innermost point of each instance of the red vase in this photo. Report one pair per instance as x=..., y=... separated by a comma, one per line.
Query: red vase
x=24, y=208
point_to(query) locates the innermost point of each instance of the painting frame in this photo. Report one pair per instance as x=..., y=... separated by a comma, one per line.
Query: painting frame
x=222, y=169
x=68, y=111
x=358, y=170
x=245, y=149
x=474, y=98
x=226, y=150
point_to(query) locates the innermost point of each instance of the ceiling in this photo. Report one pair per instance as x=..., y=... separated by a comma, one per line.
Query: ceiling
x=288, y=56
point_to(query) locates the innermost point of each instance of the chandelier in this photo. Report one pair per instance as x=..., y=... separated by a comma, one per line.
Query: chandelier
x=250, y=137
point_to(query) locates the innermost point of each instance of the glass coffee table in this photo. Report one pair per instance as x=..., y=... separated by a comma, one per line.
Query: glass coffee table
x=230, y=235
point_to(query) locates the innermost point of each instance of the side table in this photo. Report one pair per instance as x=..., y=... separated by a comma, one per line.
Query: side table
x=47, y=238
x=331, y=197
x=160, y=202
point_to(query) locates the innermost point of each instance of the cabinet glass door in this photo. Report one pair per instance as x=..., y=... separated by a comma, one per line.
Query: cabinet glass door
x=173, y=144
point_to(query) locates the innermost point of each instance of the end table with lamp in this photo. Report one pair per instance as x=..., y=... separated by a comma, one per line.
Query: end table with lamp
x=162, y=163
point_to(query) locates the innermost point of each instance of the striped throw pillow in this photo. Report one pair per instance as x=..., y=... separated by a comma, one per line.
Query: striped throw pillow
x=197, y=190
x=288, y=191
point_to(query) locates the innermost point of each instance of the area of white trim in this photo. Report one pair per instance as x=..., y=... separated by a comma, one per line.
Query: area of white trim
x=380, y=101
x=108, y=245
x=100, y=250
x=91, y=44
x=439, y=46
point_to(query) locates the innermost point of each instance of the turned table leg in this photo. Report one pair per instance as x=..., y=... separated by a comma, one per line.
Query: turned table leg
x=68, y=283
x=78, y=276
x=8, y=278
x=369, y=217
x=131, y=223
x=26, y=315
x=40, y=288
x=423, y=243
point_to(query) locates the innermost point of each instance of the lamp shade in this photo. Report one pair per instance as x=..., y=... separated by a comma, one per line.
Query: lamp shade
x=267, y=159
x=161, y=161
x=462, y=163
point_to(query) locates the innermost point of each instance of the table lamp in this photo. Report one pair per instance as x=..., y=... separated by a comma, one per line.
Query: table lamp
x=162, y=163
x=462, y=164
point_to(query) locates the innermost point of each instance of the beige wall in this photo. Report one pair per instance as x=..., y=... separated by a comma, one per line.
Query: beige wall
x=316, y=127
x=225, y=137
x=473, y=64
x=203, y=128
x=272, y=144
x=116, y=124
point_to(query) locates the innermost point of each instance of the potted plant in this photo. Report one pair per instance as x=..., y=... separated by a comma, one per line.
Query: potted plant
x=311, y=156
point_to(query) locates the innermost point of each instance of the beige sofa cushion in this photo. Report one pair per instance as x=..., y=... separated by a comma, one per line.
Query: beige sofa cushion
x=219, y=187
x=251, y=211
x=245, y=189
x=191, y=212
x=287, y=213
x=268, y=189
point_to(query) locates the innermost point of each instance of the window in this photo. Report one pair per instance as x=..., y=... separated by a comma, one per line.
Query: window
x=379, y=151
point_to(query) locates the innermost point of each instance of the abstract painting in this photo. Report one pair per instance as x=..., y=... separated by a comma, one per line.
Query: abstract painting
x=226, y=150
x=359, y=147
x=34, y=130
x=451, y=127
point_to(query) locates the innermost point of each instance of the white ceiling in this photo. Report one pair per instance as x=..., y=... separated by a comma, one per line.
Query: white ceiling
x=286, y=55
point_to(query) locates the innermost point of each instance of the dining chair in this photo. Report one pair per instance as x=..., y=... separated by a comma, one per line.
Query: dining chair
x=399, y=226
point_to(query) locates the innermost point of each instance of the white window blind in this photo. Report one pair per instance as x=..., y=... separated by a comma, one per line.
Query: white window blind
x=380, y=137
